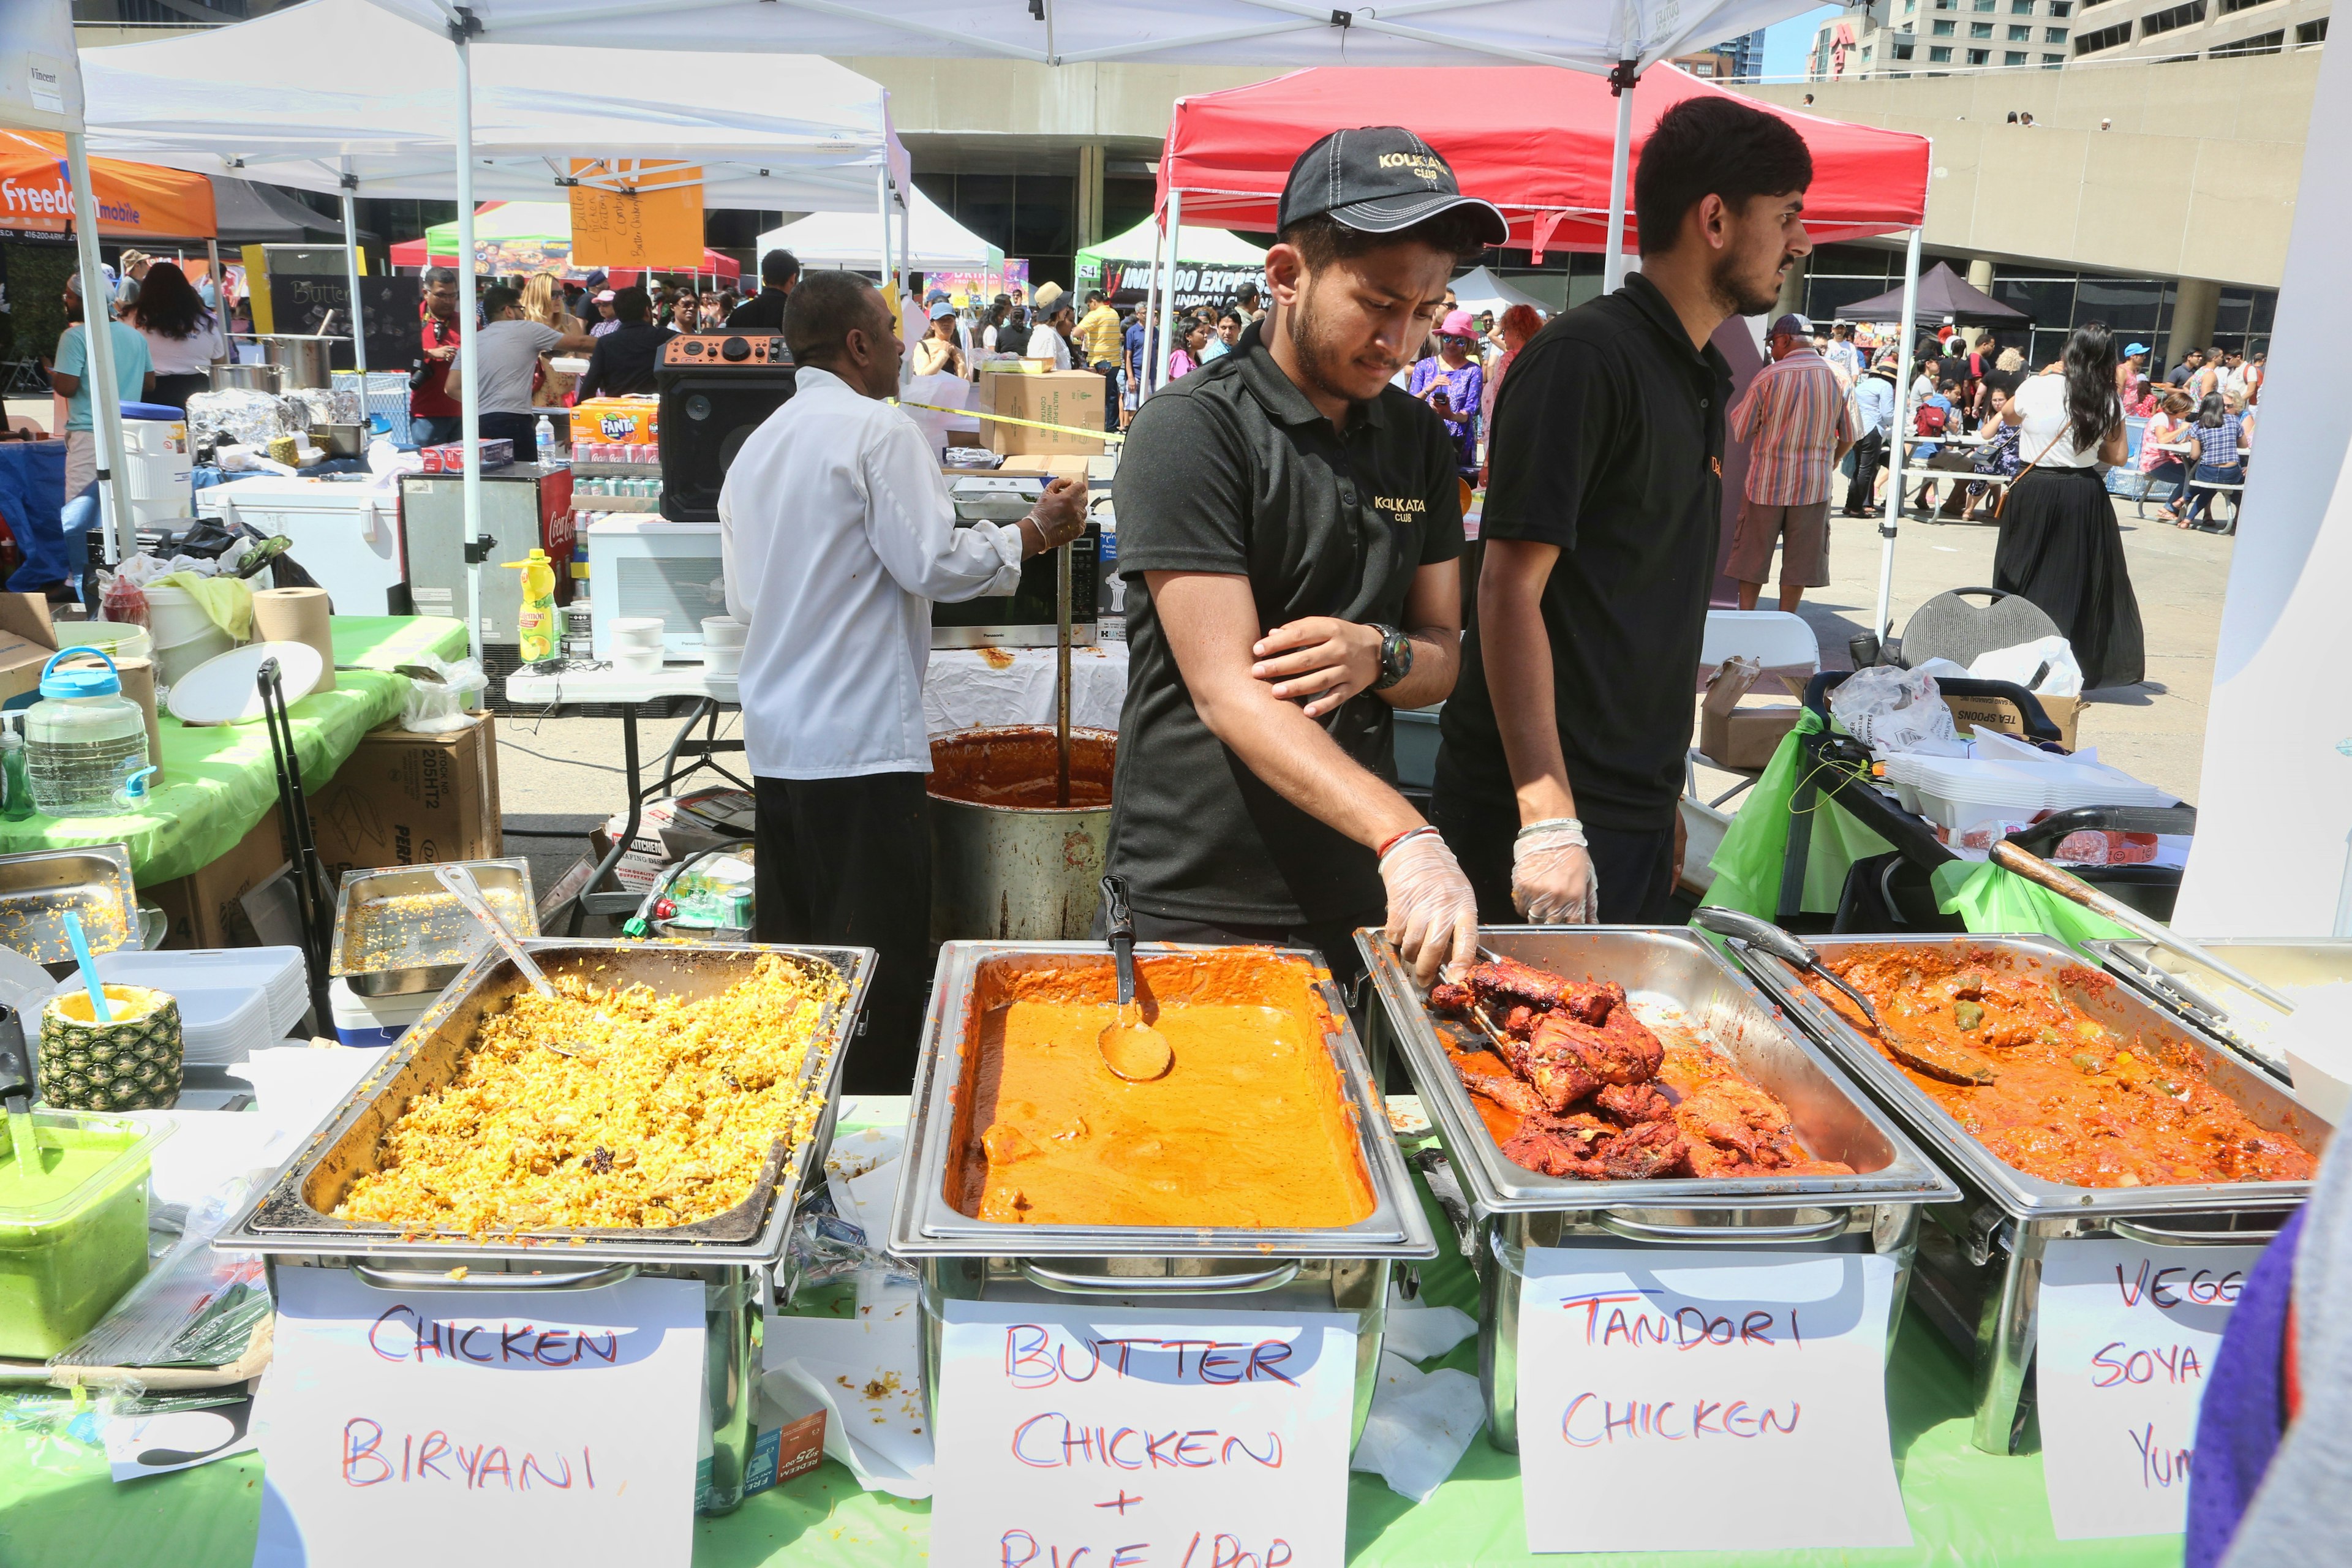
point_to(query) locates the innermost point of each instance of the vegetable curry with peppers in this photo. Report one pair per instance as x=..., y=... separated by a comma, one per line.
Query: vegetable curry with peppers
x=2046, y=1087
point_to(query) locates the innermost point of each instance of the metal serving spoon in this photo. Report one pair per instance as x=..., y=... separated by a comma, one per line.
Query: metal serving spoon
x=460, y=881
x=1131, y=1047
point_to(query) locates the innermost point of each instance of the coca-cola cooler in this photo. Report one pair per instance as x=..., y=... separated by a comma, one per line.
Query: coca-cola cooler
x=524, y=505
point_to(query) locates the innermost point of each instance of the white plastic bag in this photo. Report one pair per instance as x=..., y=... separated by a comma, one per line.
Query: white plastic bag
x=1891, y=711
x=432, y=709
x=2050, y=657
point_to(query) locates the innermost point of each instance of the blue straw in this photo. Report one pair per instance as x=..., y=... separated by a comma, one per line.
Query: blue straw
x=97, y=1007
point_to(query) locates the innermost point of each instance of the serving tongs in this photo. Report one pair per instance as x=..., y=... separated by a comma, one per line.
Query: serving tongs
x=460, y=881
x=1131, y=1047
x=1744, y=932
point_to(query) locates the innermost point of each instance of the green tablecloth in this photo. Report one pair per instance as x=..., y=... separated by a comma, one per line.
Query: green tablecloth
x=219, y=782
x=1968, y=1509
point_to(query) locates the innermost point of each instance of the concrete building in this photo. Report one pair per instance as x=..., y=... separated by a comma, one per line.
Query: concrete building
x=2192, y=30
x=1899, y=37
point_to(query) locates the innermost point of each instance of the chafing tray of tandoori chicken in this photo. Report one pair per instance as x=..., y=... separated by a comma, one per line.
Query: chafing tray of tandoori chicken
x=1635, y=1090
x=2066, y=1105
x=1258, y=1172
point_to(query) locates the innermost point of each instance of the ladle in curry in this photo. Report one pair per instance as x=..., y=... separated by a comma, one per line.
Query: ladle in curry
x=1744, y=931
x=1131, y=1047
x=460, y=881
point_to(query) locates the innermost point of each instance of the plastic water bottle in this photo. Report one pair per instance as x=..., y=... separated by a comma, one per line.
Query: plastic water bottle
x=545, y=434
x=85, y=742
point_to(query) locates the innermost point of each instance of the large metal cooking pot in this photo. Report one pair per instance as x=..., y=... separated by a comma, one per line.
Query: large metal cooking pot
x=230, y=376
x=1979, y=1276
x=1231, y=1268
x=305, y=361
x=1008, y=865
x=1677, y=981
x=734, y=1256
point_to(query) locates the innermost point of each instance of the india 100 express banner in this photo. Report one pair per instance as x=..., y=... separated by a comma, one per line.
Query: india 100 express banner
x=1126, y=281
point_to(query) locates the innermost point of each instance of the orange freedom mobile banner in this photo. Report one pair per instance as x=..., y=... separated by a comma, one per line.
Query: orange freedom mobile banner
x=36, y=196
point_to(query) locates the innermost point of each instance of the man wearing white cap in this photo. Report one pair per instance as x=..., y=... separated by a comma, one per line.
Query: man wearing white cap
x=1797, y=424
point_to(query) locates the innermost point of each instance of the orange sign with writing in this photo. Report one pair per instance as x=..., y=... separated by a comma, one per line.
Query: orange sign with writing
x=36, y=195
x=635, y=213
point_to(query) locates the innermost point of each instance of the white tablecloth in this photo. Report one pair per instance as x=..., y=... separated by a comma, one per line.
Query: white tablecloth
x=966, y=687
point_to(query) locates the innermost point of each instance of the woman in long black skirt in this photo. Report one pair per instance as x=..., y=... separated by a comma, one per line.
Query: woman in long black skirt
x=2060, y=544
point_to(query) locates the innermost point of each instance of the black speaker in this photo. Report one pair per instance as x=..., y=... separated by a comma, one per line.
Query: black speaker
x=716, y=388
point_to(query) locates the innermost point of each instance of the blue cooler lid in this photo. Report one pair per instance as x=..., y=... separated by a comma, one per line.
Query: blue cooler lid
x=152, y=411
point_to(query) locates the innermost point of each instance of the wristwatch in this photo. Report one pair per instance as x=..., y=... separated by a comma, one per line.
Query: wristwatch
x=1396, y=656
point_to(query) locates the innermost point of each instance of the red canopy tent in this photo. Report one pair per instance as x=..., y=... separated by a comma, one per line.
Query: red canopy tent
x=1539, y=143
x=1534, y=140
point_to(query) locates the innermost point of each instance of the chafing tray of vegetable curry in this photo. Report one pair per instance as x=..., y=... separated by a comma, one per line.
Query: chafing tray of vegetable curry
x=2066, y=1105
x=1258, y=1172
x=1612, y=1087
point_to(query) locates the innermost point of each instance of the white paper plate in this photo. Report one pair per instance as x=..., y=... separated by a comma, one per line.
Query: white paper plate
x=221, y=690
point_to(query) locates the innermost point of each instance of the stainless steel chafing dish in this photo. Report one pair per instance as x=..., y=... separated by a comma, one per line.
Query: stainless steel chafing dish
x=1342, y=1269
x=1979, y=1276
x=1677, y=983
x=2220, y=1005
x=385, y=947
x=734, y=1256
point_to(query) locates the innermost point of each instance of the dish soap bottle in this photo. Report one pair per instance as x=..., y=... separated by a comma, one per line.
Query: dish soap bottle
x=16, y=783
x=535, y=625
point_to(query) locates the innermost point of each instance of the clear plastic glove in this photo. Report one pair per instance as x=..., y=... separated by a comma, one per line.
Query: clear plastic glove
x=1432, y=913
x=1552, y=878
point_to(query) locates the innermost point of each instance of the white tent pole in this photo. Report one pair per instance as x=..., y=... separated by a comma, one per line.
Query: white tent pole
x=1613, y=268
x=351, y=269
x=882, y=209
x=220, y=293
x=1175, y=249
x=98, y=330
x=1902, y=428
x=1153, y=332
x=470, y=379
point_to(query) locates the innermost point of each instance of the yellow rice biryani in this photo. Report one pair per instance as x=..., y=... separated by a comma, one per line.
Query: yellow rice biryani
x=664, y=1116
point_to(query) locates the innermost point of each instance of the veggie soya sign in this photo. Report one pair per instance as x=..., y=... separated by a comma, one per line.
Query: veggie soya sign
x=538, y=1427
x=1105, y=1437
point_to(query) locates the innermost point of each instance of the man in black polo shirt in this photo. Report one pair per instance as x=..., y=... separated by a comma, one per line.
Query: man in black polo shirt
x=1288, y=529
x=1563, y=746
x=765, y=312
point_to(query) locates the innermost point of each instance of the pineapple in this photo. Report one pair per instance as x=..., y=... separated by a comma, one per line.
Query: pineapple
x=129, y=1064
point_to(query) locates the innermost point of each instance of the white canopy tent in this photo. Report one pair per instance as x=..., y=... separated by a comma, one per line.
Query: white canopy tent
x=1479, y=289
x=405, y=113
x=935, y=242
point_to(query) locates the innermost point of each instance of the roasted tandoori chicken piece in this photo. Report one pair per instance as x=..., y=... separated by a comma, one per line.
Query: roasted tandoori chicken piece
x=1581, y=1088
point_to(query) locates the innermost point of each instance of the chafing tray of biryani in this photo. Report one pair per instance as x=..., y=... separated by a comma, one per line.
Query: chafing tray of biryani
x=398, y=932
x=1701, y=1011
x=485, y=1020
x=1979, y=1274
x=1259, y=1173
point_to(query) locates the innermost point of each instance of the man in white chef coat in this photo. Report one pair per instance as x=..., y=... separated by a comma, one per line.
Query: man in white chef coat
x=837, y=533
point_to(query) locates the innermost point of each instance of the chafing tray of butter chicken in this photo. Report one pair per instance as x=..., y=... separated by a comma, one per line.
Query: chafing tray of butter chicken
x=1258, y=1172
x=1611, y=1087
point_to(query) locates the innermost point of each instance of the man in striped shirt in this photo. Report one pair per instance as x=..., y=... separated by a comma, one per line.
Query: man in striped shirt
x=1797, y=423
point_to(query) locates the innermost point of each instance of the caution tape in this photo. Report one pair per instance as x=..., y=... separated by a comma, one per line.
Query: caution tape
x=1113, y=437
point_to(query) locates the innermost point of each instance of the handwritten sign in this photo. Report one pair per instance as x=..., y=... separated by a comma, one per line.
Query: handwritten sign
x=1754, y=1381
x=538, y=1427
x=2127, y=1335
x=627, y=214
x=1077, y=1437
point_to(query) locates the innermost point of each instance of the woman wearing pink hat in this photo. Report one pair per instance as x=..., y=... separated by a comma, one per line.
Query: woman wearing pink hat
x=1452, y=381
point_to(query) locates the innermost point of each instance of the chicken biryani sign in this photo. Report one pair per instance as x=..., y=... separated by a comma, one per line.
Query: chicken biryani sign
x=1753, y=1380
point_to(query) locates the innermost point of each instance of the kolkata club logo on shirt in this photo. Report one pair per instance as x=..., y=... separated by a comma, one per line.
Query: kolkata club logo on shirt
x=1421, y=164
x=1400, y=507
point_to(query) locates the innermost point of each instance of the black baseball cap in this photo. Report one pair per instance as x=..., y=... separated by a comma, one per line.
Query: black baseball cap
x=1379, y=179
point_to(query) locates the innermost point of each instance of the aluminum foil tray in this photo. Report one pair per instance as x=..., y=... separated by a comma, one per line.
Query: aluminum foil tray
x=399, y=931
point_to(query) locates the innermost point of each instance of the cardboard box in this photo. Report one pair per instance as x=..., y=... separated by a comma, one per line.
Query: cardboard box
x=2000, y=714
x=1737, y=726
x=1073, y=397
x=1046, y=468
x=498, y=452
x=626, y=420
x=203, y=905
x=27, y=639
x=412, y=800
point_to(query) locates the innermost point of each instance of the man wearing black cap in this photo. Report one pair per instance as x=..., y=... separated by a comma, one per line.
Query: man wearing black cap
x=1288, y=529
x=1562, y=756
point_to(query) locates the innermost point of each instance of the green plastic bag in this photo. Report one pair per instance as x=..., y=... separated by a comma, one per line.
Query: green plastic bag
x=1748, y=865
x=1993, y=900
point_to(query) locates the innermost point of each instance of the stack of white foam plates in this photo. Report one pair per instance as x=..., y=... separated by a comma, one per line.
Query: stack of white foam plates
x=215, y=986
x=218, y=1026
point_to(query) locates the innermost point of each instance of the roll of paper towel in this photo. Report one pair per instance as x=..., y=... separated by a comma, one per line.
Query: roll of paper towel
x=296, y=615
